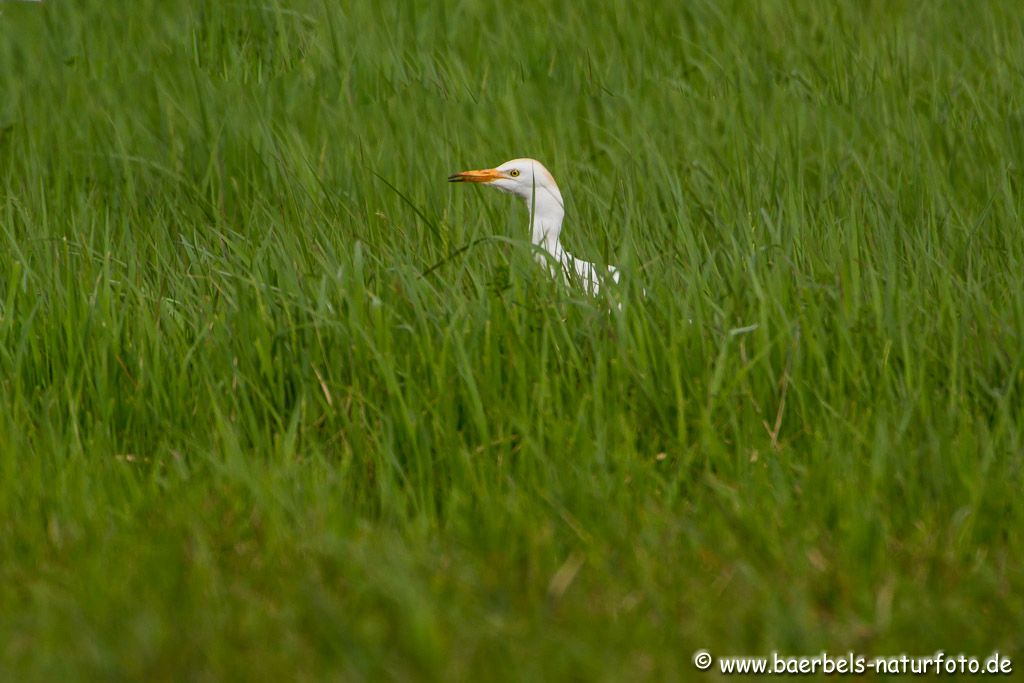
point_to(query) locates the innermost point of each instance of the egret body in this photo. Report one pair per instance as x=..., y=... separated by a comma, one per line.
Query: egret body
x=531, y=182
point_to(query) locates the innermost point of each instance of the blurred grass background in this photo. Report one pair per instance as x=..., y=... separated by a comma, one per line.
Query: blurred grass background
x=276, y=401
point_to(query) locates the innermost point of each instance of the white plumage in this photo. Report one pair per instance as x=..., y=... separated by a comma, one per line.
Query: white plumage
x=530, y=181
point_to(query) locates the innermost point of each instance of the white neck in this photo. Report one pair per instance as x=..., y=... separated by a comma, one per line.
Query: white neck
x=546, y=214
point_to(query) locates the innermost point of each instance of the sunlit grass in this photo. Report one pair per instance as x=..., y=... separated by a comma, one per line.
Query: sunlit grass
x=277, y=401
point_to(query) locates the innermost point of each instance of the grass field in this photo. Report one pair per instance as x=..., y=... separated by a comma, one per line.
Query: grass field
x=278, y=402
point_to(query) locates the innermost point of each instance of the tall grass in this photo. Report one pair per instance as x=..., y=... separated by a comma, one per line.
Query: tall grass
x=277, y=401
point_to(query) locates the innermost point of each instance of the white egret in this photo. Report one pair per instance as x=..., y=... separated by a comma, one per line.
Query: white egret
x=534, y=184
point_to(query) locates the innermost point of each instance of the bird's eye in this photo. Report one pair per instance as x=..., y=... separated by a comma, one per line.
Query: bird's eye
x=514, y=173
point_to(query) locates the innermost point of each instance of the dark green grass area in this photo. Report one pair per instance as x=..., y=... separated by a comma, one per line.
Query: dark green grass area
x=278, y=402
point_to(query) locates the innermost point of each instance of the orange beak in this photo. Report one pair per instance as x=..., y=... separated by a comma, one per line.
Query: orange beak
x=484, y=176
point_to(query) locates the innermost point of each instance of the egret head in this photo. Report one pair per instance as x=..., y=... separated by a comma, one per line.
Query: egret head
x=525, y=178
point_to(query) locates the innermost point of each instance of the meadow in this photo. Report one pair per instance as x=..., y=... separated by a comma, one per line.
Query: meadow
x=278, y=402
